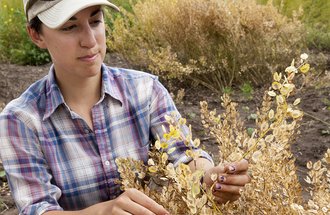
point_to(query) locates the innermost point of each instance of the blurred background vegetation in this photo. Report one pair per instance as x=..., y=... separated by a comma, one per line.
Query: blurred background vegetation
x=315, y=16
x=217, y=43
x=15, y=45
x=236, y=44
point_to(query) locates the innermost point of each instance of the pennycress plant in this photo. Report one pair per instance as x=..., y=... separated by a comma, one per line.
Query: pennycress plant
x=319, y=179
x=177, y=188
x=274, y=188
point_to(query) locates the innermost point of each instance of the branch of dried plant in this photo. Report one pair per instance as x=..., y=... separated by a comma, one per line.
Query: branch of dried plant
x=272, y=165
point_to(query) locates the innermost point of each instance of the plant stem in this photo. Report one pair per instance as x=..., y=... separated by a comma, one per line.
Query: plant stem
x=211, y=200
x=316, y=118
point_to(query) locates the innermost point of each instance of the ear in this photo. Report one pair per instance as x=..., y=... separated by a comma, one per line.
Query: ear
x=36, y=37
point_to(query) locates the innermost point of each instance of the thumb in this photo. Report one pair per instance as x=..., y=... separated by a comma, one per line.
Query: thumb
x=213, y=172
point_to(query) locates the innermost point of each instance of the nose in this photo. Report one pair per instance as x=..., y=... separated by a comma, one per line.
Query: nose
x=87, y=37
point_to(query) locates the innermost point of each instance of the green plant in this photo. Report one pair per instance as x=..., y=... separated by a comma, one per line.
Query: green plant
x=2, y=172
x=247, y=90
x=111, y=15
x=125, y=4
x=15, y=45
x=227, y=90
x=214, y=43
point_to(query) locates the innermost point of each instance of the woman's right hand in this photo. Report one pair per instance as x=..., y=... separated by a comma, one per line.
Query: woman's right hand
x=133, y=202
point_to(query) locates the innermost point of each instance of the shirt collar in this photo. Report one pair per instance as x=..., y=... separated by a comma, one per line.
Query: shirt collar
x=54, y=97
x=110, y=83
x=53, y=94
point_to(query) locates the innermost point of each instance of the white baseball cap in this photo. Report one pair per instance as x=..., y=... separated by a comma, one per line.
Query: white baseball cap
x=54, y=13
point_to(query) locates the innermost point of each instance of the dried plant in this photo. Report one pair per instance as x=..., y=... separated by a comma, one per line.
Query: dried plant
x=178, y=97
x=2, y=106
x=274, y=188
x=214, y=43
x=176, y=188
x=319, y=178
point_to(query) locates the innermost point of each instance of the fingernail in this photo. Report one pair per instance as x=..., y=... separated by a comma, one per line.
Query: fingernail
x=222, y=179
x=232, y=168
x=217, y=186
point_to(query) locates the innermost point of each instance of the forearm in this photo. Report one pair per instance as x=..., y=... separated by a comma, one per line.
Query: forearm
x=132, y=201
x=62, y=213
x=90, y=210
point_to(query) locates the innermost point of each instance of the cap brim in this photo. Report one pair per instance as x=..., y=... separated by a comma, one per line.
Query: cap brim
x=57, y=15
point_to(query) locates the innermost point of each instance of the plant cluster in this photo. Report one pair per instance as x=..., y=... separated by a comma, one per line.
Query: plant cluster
x=215, y=43
x=15, y=45
x=315, y=17
x=175, y=187
x=319, y=178
x=274, y=188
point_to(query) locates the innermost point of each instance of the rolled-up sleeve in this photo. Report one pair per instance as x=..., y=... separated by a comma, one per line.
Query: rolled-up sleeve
x=162, y=105
x=26, y=168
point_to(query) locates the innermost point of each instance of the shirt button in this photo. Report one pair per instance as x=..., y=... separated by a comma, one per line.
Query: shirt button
x=86, y=130
x=107, y=163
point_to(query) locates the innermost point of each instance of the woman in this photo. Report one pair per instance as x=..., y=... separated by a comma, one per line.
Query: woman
x=60, y=138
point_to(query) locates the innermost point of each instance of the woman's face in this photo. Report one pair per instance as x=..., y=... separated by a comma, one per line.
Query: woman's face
x=78, y=47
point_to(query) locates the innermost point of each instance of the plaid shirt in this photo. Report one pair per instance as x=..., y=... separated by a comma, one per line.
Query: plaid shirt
x=54, y=161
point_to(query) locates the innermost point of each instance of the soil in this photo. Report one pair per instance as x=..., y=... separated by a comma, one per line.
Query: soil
x=310, y=144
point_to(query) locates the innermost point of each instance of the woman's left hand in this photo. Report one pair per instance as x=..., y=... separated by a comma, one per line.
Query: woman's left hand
x=231, y=178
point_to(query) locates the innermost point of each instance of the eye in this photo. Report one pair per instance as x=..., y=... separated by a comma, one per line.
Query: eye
x=96, y=22
x=68, y=28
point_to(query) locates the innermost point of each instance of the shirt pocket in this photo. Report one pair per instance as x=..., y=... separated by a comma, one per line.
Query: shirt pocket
x=135, y=151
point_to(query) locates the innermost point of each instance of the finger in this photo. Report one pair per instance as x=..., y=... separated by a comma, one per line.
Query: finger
x=214, y=170
x=124, y=213
x=217, y=170
x=247, y=173
x=137, y=209
x=239, y=180
x=125, y=205
x=236, y=167
x=225, y=188
x=145, y=201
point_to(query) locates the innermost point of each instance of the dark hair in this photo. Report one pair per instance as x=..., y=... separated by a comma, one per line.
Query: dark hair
x=35, y=24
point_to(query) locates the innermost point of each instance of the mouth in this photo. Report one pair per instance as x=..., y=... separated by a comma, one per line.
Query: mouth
x=88, y=58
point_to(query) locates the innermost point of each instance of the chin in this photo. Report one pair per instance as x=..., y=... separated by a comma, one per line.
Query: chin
x=95, y=70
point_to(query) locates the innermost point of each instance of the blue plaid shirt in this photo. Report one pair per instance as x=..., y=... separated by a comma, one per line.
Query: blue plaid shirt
x=54, y=161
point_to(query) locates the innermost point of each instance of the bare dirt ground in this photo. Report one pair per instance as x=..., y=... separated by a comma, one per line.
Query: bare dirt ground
x=310, y=144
